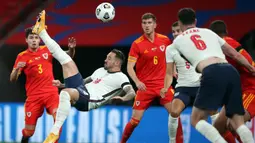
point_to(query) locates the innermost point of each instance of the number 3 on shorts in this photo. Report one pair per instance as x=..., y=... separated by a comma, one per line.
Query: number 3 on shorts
x=200, y=44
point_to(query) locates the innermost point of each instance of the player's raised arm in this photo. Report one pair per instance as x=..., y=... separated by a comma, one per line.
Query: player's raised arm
x=175, y=74
x=58, y=84
x=170, y=69
x=87, y=80
x=130, y=69
x=168, y=79
x=246, y=55
x=232, y=53
x=17, y=69
x=71, y=47
x=132, y=58
x=14, y=74
x=169, y=75
x=130, y=93
x=132, y=74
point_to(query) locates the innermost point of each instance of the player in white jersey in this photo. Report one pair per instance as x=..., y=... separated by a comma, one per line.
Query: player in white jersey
x=220, y=82
x=103, y=85
x=188, y=82
x=75, y=91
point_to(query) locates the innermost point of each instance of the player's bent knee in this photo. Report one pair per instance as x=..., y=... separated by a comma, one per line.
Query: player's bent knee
x=64, y=95
x=28, y=133
x=175, y=113
x=70, y=69
x=196, y=116
x=137, y=114
x=194, y=121
x=213, y=112
x=247, y=116
x=73, y=93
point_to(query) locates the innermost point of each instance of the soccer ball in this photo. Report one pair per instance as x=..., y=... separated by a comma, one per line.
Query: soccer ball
x=105, y=12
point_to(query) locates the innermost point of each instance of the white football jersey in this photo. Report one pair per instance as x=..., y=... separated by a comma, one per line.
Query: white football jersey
x=187, y=76
x=104, y=86
x=197, y=44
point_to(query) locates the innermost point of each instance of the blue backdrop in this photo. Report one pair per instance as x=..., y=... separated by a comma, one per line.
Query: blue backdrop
x=103, y=125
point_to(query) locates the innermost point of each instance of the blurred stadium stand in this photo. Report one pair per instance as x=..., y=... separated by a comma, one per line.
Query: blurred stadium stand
x=16, y=12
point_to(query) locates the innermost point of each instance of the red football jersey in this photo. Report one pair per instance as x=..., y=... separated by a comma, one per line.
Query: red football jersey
x=150, y=59
x=247, y=80
x=38, y=71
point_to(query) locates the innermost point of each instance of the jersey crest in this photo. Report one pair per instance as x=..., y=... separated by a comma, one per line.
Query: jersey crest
x=137, y=103
x=97, y=81
x=162, y=48
x=45, y=56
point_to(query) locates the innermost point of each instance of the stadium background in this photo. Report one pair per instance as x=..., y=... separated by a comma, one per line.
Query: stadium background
x=76, y=18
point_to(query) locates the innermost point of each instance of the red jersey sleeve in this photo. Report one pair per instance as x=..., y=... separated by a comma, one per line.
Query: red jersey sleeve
x=19, y=58
x=247, y=80
x=168, y=41
x=232, y=42
x=239, y=48
x=133, y=53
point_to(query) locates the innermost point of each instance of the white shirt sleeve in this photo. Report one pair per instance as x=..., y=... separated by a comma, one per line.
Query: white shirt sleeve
x=123, y=80
x=220, y=40
x=170, y=50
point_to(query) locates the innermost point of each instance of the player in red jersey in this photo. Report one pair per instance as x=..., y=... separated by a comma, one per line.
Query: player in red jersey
x=147, y=53
x=36, y=63
x=247, y=79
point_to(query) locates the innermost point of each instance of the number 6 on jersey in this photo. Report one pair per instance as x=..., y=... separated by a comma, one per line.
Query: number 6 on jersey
x=155, y=60
x=200, y=44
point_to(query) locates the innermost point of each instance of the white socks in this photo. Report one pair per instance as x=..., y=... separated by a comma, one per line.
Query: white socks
x=54, y=48
x=245, y=134
x=209, y=132
x=214, y=117
x=64, y=108
x=172, y=128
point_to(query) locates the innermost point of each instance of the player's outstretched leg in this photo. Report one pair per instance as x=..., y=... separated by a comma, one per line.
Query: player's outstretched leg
x=24, y=139
x=62, y=113
x=73, y=78
x=173, y=119
x=234, y=107
x=66, y=95
x=221, y=125
x=26, y=135
x=198, y=120
x=77, y=96
x=132, y=124
x=175, y=132
x=68, y=65
x=237, y=122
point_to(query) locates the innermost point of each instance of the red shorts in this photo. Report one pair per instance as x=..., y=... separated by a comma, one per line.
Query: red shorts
x=144, y=99
x=249, y=102
x=34, y=107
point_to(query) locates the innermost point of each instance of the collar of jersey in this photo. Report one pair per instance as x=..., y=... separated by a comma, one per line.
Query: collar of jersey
x=31, y=51
x=113, y=72
x=155, y=36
